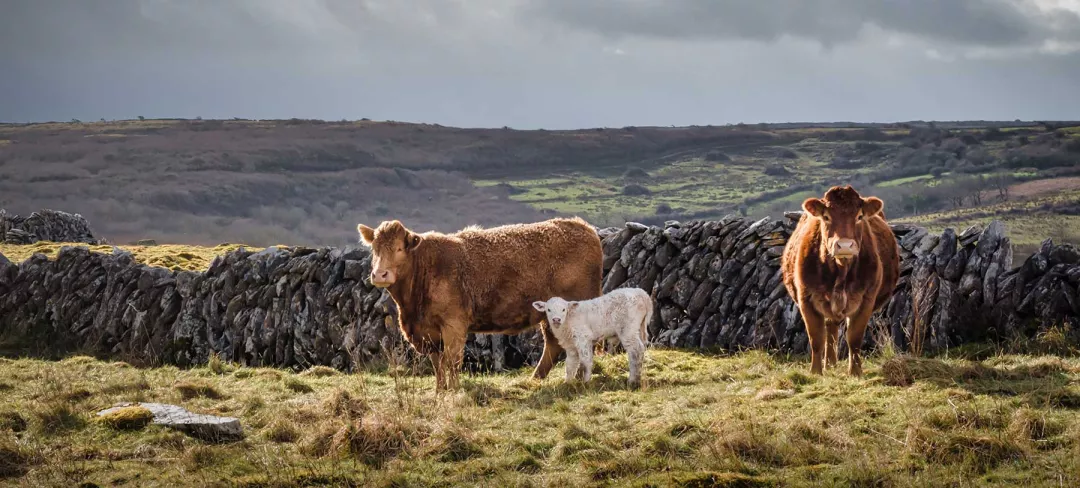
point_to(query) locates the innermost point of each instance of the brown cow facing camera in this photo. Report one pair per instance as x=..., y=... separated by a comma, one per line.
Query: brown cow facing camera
x=481, y=281
x=842, y=262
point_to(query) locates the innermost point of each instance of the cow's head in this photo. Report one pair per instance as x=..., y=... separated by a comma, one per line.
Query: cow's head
x=556, y=309
x=392, y=246
x=843, y=216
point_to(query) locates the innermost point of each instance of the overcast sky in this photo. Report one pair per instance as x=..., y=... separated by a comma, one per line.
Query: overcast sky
x=541, y=63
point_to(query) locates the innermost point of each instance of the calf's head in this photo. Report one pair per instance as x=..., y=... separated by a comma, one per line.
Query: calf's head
x=556, y=309
x=843, y=216
x=392, y=248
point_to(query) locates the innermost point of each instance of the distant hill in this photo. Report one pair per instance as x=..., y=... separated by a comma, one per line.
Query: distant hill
x=309, y=182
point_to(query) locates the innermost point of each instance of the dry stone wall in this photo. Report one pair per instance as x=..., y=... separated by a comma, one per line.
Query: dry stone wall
x=717, y=284
x=45, y=225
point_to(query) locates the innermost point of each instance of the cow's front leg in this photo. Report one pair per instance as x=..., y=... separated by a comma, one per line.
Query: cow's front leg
x=856, y=329
x=815, y=329
x=551, y=352
x=832, y=330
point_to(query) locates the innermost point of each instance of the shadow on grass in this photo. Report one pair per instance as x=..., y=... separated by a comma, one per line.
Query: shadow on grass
x=1042, y=383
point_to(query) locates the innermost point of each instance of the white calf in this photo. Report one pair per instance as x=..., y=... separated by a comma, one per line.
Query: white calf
x=622, y=313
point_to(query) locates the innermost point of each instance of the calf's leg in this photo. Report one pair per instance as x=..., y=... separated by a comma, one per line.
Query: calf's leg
x=585, y=351
x=815, y=329
x=635, y=351
x=573, y=364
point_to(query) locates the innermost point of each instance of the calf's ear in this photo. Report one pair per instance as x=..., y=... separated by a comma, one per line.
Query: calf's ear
x=367, y=234
x=872, y=206
x=814, y=206
x=540, y=306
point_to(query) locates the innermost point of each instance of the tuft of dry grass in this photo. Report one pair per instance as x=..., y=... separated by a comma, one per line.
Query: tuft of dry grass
x=189, y=389
x=341, y=403
x=320, y=372
x=372, y=441
x=282, y=431
x=56, y=418
x=297, y=385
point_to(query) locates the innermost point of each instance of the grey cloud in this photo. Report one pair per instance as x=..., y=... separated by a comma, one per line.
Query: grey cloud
x=527, y=63
x=971, y=22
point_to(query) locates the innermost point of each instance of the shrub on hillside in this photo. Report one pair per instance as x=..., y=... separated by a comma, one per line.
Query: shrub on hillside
x=777, y=170
x=993, y=134
x=663, y=209
x=717, y=157
x=635, y=190
x=635, y=172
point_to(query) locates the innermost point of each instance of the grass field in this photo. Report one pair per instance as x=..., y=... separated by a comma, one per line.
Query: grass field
x=690, y=185
x=1028, y=221
x=746, y=420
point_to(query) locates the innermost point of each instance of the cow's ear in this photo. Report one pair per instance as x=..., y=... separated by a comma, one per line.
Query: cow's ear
x=411, y=241
x=814, y=206
x=540, y=306
x=367, y=234
x=872, y=206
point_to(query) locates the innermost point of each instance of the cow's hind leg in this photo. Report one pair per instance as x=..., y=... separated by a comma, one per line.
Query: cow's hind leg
x=440, y=376
x=551, y=352
x=453, y=354
x=832, y=328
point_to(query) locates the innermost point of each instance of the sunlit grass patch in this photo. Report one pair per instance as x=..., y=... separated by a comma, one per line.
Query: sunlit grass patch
x=175, y=257
x=748, y=419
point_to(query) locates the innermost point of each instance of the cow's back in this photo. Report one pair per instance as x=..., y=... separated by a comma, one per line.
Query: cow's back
x=509, y=267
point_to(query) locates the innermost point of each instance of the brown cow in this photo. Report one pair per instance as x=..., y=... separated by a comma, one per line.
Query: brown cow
x=481, y=281
x=841, y=263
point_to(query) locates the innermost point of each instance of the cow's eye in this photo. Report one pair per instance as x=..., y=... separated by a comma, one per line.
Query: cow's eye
x=860, y=218
x=827, y=219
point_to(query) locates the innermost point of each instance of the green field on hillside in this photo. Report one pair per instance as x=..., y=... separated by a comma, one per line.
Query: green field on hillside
x=691, y=185
x=1028, y=222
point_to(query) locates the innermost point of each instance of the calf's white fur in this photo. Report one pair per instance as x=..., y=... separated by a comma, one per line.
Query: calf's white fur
x=624, y=313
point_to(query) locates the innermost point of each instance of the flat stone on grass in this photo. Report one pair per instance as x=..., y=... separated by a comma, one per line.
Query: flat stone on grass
x=206, y=427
